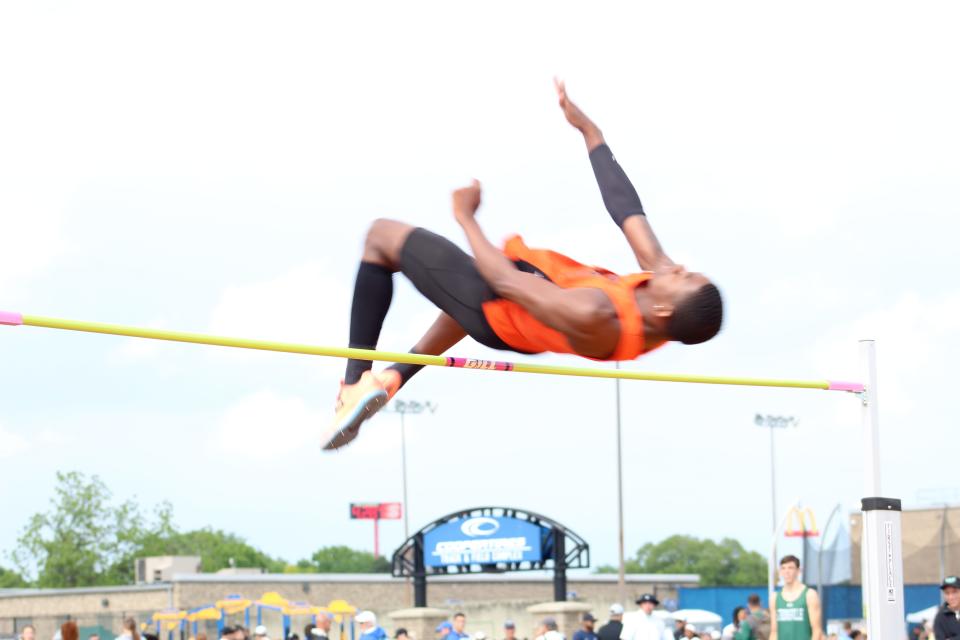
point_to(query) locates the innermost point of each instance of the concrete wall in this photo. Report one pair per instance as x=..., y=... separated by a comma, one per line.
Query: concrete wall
x=487, y=601
x=47, y=609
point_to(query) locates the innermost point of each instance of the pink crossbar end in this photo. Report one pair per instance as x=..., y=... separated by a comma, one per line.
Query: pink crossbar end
x=11, y=318
x=855, y=387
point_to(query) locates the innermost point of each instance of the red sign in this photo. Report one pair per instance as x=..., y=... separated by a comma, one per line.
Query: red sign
x=376, y=511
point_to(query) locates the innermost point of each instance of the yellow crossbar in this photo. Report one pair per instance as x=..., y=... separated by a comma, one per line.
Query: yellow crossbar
x=413, y=358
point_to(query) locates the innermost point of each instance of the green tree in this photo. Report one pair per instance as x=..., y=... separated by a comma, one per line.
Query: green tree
x=718, y=563
x=11, y=579
x=342, y=559
x=86, y=540
x=74, y=543
x=217, y=549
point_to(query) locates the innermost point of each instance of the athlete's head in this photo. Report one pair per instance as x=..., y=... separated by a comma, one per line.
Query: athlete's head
x=789, y=569
x=688, y=302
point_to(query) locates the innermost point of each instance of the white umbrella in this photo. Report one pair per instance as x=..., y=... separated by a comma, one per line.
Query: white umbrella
x=697, y=616
x=927, y=615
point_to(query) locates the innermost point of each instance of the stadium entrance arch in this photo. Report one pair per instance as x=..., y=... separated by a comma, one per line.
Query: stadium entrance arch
x=490, y=540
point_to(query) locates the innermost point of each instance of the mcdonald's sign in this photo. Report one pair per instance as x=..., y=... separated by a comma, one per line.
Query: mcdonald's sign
x=806, y=523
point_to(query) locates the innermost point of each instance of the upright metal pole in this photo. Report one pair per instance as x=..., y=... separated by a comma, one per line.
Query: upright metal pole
x=823, y=540
x=881, y=543
x=943, y=542
x=403, y=459
x=621, y=568
x=773, y=481
x=406, y=505
x=870, y=417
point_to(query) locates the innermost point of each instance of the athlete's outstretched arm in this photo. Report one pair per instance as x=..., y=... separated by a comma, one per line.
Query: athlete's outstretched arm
x=618, y=194
x=573, y=312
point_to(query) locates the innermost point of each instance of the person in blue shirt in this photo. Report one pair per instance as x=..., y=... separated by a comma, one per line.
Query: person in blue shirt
x=585, y=632
x=458, y=631
x=369, y=630
x=443, y=629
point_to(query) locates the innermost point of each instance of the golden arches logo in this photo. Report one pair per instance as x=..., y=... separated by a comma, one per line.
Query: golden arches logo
x=806, y=523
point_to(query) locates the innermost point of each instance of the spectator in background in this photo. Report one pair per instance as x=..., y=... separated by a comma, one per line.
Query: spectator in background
x=129, y=630
x=308, y=631
x=93, y=636
x=401, y=634
x=678, y=627
x=689, y=631
x=642, y=624
x=443, y=630
x=756, y=626
x=548, y=630
x=947, y=622
x=729, y=631
x=847, y=630
x=458, y=632
x=28, y=633
x=509, y=630
x=611, y=630
x=321, y=631
x=69, y=630
x=260, y=633
x=585, y=632
x=369, y=629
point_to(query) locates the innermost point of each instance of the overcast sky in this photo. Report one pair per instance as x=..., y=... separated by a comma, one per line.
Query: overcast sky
x=213, y=166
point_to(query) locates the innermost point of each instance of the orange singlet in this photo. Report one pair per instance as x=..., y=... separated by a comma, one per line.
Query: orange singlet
x=515, y=326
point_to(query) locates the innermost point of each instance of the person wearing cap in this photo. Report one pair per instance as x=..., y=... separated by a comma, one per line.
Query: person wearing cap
x=549, y=630
x=260, y=632
x=611, y=630
x=369, y=630
x=689, y=631
x=642, y=624
x=509, y=630
x=947, y=622
x=585, y=632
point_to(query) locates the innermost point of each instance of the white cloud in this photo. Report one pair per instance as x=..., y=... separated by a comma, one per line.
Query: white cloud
x=304, y=304
x=914, y=338
x=32, y=237
x=266, y=425
x=11, y=443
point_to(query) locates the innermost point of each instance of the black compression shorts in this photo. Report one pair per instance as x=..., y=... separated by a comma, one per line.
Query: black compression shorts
x=449, y=278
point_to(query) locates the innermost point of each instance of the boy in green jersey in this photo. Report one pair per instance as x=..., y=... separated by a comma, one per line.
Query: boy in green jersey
x=795, y=614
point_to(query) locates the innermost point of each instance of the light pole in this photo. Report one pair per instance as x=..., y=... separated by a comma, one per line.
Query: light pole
x=403, y=407
x=774, y=422
x=621, y=569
